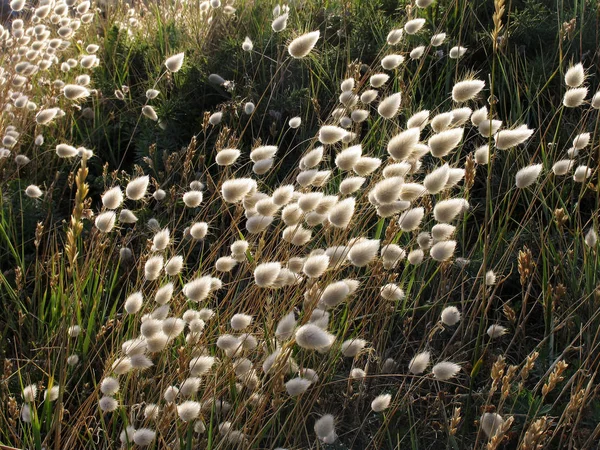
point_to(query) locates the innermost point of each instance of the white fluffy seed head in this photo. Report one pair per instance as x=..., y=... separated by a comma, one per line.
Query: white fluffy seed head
x=240, y=321
x=591, y=238
x=265, y=274
x=414, y=26
x=446, y=211
x=352, y=347
x=527, y=175
x=362, y=253
x=325, y=429
x=174, y=63
x=235, y=190
x=199, y=230
x=285, y=327
x=445, y=370
x=192, y=199
x=312, y=337
x=105, y=221
x=341, y=213
x=390, y=62
x=32, y=191
x=442, y=251
x=297, y=386
x=113, y=198
x=315, y=265
x=227, y=156
x=443, y=143
x=174, y=265
x=450, y=316
x=75, y=91
x=381, y=402
x=491, y=423
x=301, y=46
x=436, y=180
x=401, y=146
x=457, y=52
x=506, y=139
x=348, y=157
x=411, y=220
x=392, y=292
x=379, y=79
x=419, y=363
x=466, y=90
x=280, y=23
x=574, y=97
x=575, y=76
x=388, y=107
x=330, y=134
x=581, y=141
x=134, y=303
x=136, y=188
x=395, y=36
x=188, y=410
x=495, y=331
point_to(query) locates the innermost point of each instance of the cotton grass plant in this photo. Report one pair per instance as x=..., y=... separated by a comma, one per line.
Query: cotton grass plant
x=356, y=286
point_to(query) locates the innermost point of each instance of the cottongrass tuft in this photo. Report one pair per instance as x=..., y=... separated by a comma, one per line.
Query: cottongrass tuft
x=144, y=437
x=575, y=76
x=108, y=404
x=466, y=90
x=174, y=265
x=311, y=337
x=402, y=145
x=66, y=151
x=390, y=62
x=450, y=316
x=457, y=52
x=295, y=122
x=30, y=393
x=265, y=274
x=240, y=321
x=109, y=386
x=75, y=91
x=394, y=36
x=411, y=220
x=325, y=429
x=582, y=173
x=379, y=79
x=591, y=238
x=352, y=347
x=235, y=190
x=341, y=213
x=136, y=189
x=443, y=143
x=113, y=198
x=527, y=175
x=491, y=423
x=381, y=402
x=496, y=331
x=436, y=180
x=506, y=139
x=297, y=386
x=285, y=327
x=280, y=23
x=330, y=134
x=134, y=303
x=389, y=106
x=174, y=63
x=192, y=199
x=247, y=45
x=32, y=191
x=419, y=363
x=445, y=370
x=490, y=278
x=562, y=167
x=581, y=141
x=105, y=221
x=447, y=210
x=362, y=253
x=414, y=26
x=199, y=230
x=415, y=257
x=575, y=97
x=188, y=410
x=301, y=46
x=442, y=251
x=149, y=112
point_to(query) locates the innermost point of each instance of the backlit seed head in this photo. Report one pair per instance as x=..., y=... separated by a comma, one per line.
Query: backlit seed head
x=591, y=238
x=446, y=211
x=301, y=46
x=235, y=190
x=199, y=230
x=436, y=180
x=574, y=97
x=438, y=39
x=174, y=63
x=325, y=429
x=379, y=79
x=415, y=257
x=575, y=76
x=457, y=52
x=419, y=363
x=174, y=265
x=134, y=302
x=411, y=220
x=496, y=331
x=265, y=274
x=348, y=157
x=105, y=221
x=381, y=402
x=33, y=191
x=445, y=370
x=75, y=91
x=188, y=410
x=136, y=188
x=581, y=141
x=491, y=423
x=389, y=106
x=450, y=316
x=395, y=36
x=390, y=62
x=582, y=173
x=330, y=134
x=352, y=347
x=442, y=251
x=143, y=437
x=392, y=292
x=297, y=386
x=527, y=175
x=443, y=143
x=280, y=23
x=414, y=26
x=402, y=145
x=506, y=139
x=466, y=90
x=362, y=253
x=312, y=337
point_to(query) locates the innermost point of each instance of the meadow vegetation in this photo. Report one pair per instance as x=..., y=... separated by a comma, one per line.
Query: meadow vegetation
x=316, y=224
